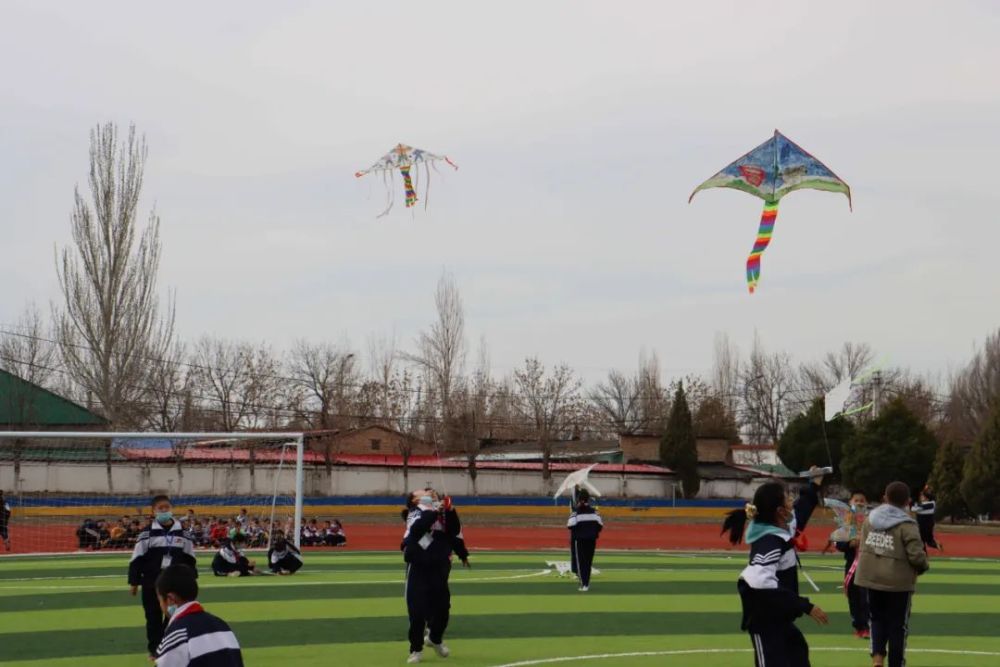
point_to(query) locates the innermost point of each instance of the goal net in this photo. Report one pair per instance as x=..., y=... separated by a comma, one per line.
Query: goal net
x=70, y=492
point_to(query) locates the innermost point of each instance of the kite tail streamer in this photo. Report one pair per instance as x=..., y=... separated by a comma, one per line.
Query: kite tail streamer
x=411, y=194
x=763, y=239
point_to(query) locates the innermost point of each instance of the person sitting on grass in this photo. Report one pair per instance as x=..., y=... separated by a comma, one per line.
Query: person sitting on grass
x=310, y=534
x=220, y=532
x=333, y=534
x=193, y=637
x=230, y=560
x=116, y=536
x=283, y=557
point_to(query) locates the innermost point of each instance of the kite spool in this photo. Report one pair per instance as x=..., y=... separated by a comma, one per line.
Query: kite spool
x=818, y=472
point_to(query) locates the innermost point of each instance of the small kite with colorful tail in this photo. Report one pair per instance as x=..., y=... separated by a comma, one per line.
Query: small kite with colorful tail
x=770, y=171
x=408, y=162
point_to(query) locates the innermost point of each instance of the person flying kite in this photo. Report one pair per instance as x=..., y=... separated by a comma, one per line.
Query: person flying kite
x=407, y=160
x=770, y=171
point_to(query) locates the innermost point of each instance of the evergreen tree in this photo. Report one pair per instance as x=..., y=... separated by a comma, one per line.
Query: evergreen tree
x=981, y=480
x=804, y=442
x=894, y=446
x=712, y=420
x=946, y=481
x=678, y=448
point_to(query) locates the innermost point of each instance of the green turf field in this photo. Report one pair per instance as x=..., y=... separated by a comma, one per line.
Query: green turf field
x=346, y=608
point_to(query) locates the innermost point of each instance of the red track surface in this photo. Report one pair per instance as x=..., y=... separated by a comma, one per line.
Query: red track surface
x=380, y=537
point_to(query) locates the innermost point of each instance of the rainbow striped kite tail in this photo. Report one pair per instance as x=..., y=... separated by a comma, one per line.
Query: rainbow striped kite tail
x=411, y=193
x=764, y=232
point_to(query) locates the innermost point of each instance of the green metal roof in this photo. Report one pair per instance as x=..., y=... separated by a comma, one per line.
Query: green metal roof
x=23, y=404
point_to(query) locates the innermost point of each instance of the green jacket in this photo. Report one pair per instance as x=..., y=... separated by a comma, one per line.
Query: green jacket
x=891, y=553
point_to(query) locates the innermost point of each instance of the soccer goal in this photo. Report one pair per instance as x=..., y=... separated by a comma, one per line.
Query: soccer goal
x=91, y=491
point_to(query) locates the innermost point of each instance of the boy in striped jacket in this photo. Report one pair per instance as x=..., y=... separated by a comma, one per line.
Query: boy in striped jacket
x=163, y=544
x=194, y=638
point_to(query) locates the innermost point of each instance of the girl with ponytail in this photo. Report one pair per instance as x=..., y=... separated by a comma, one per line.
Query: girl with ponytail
x=768, y=585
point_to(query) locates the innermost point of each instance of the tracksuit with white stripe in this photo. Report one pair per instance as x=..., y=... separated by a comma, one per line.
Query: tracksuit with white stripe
x=585, y=526
x=769, y=589
x=228, y=560
x=924, y=512
x=430, y=539
x=195, y=638
x=156, y=548
x=287, y=558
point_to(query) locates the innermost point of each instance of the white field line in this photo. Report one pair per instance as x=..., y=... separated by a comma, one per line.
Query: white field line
x=707, y=651
x=285, y=582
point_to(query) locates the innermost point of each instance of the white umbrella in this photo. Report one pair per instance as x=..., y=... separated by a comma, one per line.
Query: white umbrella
x=575, y=479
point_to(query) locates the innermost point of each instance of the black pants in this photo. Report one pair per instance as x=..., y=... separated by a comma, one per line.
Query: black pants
x=572, y=556
x=584, y=551
x=428, y=602
x=890, y=617
x=289, y=562
x=779, y=646
x=857, y=601
x=155, y=622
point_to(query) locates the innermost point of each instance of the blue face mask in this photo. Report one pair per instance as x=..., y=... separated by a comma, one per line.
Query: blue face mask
x=171, y=609
x=426, y=500
x=164, y=517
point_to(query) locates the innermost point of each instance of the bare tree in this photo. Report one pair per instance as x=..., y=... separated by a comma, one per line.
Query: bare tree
x=27, y=351
x=974, y=392
x=238, y=381
x=472, y=402
x=726, y=368
x=820, y=377
x=768, y=391
x=546, y=400
x=110, y=322
x=169, y=389
x=441, y=350
x=328, y=374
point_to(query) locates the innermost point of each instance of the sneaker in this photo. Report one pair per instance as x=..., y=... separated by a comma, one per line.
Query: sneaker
x=584, y=589
x=440, y=649
x=414, y=658
x=865, y=634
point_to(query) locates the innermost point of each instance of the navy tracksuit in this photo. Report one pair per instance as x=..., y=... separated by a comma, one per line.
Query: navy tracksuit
x=431, y=537
x=585, y=526
x=229, y=559
x=288, y=558
x=769, y=590
x=925, y=522
x=156, y=548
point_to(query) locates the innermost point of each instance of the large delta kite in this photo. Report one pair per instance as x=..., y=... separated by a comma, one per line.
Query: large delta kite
x=407, y=160
x=770, y=171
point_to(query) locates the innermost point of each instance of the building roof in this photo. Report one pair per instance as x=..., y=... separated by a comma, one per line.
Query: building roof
x=24, y=404
x=195, y=454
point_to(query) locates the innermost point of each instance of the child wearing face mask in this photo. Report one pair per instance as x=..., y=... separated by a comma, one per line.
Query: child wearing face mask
x=194, y=638
x=857, y=597
x=162, y=544
x=768, y=585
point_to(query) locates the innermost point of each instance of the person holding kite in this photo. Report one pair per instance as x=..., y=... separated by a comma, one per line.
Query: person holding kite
x=769, y=585
x=585, y=525
x=846, y=539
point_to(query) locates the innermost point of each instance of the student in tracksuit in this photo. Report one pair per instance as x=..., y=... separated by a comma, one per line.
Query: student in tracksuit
x=924, y=510
x=857, y=597
x=230, y=560
x=585, y=526
x=892, y=557
x=283, y=557
x=5, y=513
x=163, y=544
x=433, y=533
x=768, y=585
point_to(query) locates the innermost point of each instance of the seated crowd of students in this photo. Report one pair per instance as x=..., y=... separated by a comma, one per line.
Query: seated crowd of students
x=211, y=532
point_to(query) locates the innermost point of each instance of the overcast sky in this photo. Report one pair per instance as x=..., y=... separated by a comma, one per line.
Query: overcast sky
x=580, y=129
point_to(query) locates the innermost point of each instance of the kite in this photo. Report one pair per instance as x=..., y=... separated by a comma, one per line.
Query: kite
x=848, y=520
x=408, y=161
x=835, y=399
x=770, y=171
x=575, y=479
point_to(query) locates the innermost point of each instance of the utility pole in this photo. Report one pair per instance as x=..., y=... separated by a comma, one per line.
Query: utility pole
x=876, y=392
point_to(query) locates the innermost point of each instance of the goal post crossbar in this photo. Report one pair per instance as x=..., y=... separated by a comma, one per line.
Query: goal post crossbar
x=297, y=437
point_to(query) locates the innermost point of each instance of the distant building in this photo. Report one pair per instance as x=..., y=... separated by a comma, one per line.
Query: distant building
x=375, y=439
x=28, y=407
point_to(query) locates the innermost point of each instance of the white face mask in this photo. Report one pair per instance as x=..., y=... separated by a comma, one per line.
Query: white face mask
x=426, y=500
